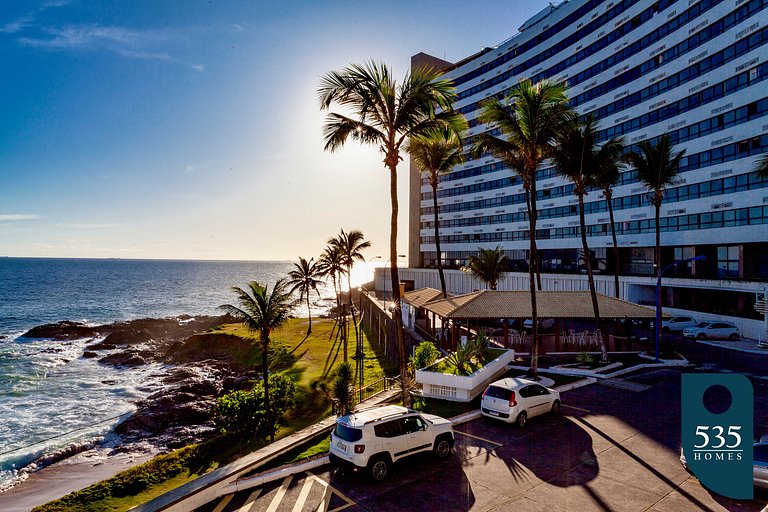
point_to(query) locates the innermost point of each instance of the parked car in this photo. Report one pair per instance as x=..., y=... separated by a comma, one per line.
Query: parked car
x=713, y=330
x=544, y=323
x=515, y=400
x=373, y=439
x=677, y=324
x=759, y=464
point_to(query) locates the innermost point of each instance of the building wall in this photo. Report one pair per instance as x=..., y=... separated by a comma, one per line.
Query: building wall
x=698, y=70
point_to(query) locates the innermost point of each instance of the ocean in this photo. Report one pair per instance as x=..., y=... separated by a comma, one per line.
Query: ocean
x=51, y=398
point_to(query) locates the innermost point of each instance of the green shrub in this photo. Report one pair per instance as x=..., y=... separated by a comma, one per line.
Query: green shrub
x=425, y=354
x=342, y=387
x=585, y=358
x=243, y=412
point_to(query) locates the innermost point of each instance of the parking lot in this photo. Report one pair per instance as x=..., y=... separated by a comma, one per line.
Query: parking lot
x=615, y=447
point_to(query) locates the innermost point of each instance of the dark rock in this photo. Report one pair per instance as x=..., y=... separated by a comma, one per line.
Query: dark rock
x=62, y=331
x=123, y=359
x=90, y=355
x=128, y=336
x=101, y=346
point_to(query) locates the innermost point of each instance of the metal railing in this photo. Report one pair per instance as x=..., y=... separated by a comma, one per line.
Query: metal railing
x=367, y=392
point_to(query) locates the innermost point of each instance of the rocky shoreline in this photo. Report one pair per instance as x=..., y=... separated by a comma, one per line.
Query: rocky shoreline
x=197, y=365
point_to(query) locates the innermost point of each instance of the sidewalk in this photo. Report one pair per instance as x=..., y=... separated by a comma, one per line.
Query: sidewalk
x=206, y=488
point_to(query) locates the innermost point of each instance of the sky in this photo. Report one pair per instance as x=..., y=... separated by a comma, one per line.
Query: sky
x=192, y=130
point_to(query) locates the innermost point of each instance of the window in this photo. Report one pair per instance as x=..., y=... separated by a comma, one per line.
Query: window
x=728, y=261
x=388, y=429
x=412, y=424
x=348, y=434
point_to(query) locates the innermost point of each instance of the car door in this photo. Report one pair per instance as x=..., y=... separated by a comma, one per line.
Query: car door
x=532, y=400
x=418, y=434
x=542, y=398
x=393, y=439
x=718, y=330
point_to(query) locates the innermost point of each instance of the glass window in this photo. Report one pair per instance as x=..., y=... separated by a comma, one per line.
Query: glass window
x=388, y=429
x=347, y=433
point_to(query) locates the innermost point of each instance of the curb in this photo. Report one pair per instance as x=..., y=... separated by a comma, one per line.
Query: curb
x=271, y=476
x=575, y=385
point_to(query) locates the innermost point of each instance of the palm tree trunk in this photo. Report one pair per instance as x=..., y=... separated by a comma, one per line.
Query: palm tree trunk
x=309, y=311
x=265, y=381
x=657, y=252
x=437, y=241
x=591, y=278
x=533, y=372
x=534, y=215
x=352, y=311
x=616, y=258
x=399, y=336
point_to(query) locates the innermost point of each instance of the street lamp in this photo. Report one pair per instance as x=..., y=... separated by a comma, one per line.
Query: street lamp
x=657, y=324
x=385, y=279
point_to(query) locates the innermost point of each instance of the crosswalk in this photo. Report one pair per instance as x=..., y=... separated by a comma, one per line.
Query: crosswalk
x=303, y=492
x=624, y=384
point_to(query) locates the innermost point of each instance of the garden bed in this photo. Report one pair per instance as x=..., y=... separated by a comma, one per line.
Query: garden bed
x=462, y=388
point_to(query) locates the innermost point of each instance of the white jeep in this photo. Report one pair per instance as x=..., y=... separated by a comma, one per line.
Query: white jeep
x=375, y=438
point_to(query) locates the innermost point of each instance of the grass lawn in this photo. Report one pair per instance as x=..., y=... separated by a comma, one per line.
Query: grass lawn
x=316, y=357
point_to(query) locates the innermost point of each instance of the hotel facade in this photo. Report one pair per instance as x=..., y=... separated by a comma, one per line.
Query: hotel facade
x=695, y=69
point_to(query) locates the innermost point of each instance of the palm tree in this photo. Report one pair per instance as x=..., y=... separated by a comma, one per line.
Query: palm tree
x=350, y=246
x=657, y=166
x=305, y=278
x=761, y=166
x=576, y=156
x=436, y=153
x=385, y=114
x=261, y=312
x=528, y=118
x=489, y=266
x=606, y=175
x=330, y=265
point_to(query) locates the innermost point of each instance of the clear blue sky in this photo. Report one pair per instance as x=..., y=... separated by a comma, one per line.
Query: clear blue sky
x=168, y=129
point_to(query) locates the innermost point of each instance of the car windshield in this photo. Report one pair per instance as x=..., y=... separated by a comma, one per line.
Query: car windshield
x=348, y=434
x=497, y=392
x=702, y=324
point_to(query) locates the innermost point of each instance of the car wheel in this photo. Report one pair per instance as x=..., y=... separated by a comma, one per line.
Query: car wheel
x=522, y=419
x=378, y=469
x=701, y=336
x=733, y=336
x=442, y=447
x=556, y=407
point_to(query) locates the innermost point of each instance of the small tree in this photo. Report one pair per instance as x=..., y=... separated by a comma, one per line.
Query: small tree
x=343, y=388
x=244, y=412
x=424, y=355
x=305, y=278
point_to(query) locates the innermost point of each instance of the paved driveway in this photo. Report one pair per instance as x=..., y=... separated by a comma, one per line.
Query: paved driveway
x=612, y=449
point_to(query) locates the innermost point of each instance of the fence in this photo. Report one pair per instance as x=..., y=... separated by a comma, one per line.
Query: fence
x=368, y=391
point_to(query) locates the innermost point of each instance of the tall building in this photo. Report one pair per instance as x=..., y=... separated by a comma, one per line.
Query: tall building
x=695, y=69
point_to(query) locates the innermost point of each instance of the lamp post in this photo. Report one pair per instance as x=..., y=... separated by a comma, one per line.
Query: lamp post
x=385, y=279
x=657, y=324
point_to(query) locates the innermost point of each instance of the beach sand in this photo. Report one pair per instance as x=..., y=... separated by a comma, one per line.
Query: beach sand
x=64, y=477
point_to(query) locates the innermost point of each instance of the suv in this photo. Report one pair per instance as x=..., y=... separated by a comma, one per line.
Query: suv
x=677, y=323
x=516, y=400
x=375, y=438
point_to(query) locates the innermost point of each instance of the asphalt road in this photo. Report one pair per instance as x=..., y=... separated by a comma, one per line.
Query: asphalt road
x=615, y=447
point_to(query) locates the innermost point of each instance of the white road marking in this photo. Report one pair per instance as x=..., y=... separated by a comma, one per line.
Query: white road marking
x=279, y=495
x=223, y=503
x=575, y=408
x=248, y=505
x=303, y=495
x=477, y=437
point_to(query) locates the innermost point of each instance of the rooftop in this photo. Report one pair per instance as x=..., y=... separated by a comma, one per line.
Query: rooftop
x=550, y=304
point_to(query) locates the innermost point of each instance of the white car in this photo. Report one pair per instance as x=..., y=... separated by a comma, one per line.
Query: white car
x=677, y=324
x=713, y=330
x=544, y=323
x=514, y=400
x=373, y=439
x=759, y=464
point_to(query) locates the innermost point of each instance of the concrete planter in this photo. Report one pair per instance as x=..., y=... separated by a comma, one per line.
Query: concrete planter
x=459, y=388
